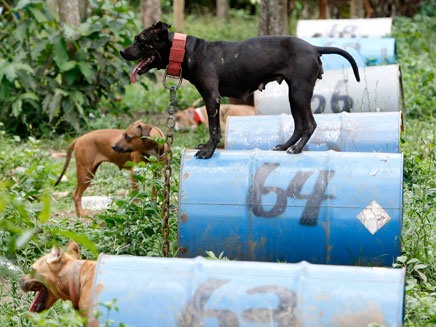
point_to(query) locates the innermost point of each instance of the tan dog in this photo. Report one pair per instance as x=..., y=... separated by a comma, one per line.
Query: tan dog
x=191, y=118
x=99, y=146
x=62, y=275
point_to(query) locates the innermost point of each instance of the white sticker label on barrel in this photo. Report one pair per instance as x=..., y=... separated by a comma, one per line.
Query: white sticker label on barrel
x=373, y=217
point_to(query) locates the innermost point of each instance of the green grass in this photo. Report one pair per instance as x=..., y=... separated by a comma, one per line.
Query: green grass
x=416, y=52
x=28, y=173
x=419, y=230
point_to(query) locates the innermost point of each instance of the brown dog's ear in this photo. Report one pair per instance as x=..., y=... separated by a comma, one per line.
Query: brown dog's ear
x=55, y=255
x=73, y=249
x=155, y=131
x=145, y=129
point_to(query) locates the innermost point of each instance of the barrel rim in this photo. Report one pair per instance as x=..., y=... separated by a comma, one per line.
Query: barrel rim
x=95, y=305
x=179, y=198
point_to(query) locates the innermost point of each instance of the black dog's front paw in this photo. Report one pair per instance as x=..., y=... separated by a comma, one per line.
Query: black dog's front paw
x=279, y=147
x=205, y=153
x=294, y=149
x=201, y=146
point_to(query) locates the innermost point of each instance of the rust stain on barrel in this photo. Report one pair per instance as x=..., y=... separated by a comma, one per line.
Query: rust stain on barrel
x=185, y=175
x=370, y=313
x=184, y=250
x=184, y=218
x=98, y=289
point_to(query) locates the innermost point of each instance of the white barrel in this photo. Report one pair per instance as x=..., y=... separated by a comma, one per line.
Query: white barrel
x=379, y=89
x=372, y=27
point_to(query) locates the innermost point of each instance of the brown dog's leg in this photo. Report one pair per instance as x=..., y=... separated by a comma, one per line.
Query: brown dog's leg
x=134, y=183
x=136, y=158
x=156, y=175
x=84, y=177
x=368, y=8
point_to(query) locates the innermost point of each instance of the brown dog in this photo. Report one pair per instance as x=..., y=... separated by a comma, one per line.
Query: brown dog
x=99, y=146
x=191, y=118
x=62, y=275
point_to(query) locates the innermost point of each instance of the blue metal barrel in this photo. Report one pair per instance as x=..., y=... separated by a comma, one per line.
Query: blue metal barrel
x=198, y=292
x=373, y=51
x=356, y=132
x=321, y=207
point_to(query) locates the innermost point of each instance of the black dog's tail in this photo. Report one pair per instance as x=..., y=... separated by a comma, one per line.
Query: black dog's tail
x=343, y=53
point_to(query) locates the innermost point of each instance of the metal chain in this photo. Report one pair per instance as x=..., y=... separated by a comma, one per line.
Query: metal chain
x=169, y=157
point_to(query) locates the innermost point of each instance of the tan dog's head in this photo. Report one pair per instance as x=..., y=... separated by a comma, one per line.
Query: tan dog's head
x=185, y=119
x=139, y=137
x=48, y=277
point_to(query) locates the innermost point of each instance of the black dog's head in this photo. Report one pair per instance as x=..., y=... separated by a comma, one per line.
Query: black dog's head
x=151, y=47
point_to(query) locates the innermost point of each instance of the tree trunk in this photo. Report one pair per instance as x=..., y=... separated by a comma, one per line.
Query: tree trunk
x=179, y=11
x=283, y=9
x=356, y=10
x=151, y=12
x=291, y=8
x=272, y=21
x=53, y=6
x=69, y=12
x=83, y=9
x=222, y=9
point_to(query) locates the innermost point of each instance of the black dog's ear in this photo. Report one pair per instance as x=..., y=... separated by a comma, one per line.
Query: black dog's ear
x=161, y=25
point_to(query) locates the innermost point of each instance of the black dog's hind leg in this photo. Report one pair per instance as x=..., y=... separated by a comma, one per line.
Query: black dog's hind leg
x=300, y=99
x=302, y=95
x=213, y=113
x=298, y=125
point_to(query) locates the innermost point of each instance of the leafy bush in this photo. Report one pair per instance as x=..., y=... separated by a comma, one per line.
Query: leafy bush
x=133, y=226
x=52, y=78
x=151, y=98
x=416, y=46
x=419, y=232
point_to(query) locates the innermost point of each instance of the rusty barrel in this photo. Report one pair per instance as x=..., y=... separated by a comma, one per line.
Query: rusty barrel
x=372, y=51
x=355, y=132
x=379, y=89
x=345, y=28
x=323, y=207
x=199, y=292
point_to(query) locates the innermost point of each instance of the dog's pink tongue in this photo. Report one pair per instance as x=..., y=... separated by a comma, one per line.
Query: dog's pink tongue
x=135, y=70
x=35, y=301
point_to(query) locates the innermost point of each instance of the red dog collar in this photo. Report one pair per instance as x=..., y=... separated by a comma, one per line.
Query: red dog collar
x=177, y=53
x=197, y=116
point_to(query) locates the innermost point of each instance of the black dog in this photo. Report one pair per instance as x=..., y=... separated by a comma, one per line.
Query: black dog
x=237, y=69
